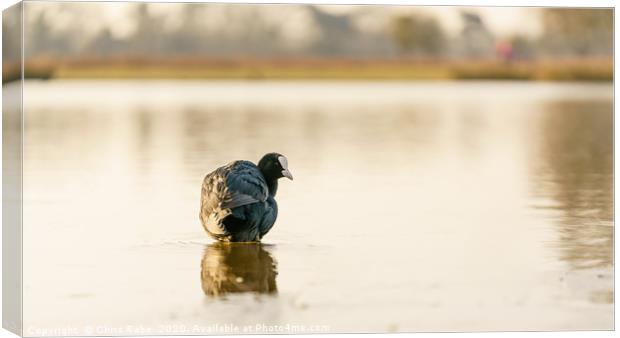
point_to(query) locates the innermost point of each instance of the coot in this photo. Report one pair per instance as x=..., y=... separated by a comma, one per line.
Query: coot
x=237, y=202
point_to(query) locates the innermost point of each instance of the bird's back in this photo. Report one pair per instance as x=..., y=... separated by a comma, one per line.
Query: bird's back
x=235, y=203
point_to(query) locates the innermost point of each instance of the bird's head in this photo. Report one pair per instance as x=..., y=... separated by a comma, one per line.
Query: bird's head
x=274, y=166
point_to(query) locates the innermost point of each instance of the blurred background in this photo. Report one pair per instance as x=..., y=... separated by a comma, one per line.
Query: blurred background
x=168, y=40
x=457, y=205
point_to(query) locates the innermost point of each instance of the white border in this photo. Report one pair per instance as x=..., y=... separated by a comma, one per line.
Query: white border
x=482, y=3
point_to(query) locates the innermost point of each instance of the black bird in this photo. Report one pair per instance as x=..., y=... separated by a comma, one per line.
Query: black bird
x=237, y=202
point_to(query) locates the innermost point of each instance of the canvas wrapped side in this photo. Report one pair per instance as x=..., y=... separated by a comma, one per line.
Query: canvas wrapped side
x=12, y=132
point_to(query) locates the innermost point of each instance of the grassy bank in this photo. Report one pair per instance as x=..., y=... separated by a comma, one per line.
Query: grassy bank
x=545, y=70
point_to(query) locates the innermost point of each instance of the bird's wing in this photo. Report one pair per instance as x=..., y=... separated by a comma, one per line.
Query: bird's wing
x=211, y=212
x=245, y=184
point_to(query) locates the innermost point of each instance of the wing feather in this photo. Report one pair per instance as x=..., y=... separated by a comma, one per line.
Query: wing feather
x=237, y=199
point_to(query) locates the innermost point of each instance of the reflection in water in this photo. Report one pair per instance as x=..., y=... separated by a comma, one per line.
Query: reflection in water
x=237, y=268
x=144, y=138
x=388, y=133
x=577, y=173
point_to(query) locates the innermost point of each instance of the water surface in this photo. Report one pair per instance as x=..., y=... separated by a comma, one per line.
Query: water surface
x=439, y=206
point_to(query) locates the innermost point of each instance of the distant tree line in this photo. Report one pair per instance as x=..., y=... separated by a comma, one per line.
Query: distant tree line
x=567, y=32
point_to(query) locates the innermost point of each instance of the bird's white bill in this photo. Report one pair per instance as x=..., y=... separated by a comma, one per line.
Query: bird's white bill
x=284, y=164
x=287, y=174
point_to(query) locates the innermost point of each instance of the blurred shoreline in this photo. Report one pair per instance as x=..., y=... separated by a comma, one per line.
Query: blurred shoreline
x=581, y=69
x=306, y=42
